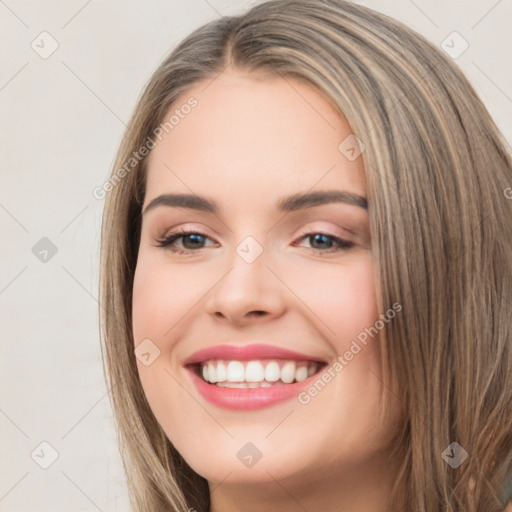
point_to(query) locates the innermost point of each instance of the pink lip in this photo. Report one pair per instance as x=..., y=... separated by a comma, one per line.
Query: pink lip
x=247, y=398
x=247, y=353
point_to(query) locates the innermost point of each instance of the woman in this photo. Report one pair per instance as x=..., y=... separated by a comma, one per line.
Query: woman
x=253, y=367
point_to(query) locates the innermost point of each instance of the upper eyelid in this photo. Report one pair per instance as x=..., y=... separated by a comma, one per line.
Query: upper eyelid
x=303, y=231
x=331, y=231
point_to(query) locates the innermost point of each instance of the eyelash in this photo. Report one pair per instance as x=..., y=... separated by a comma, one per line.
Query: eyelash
x=167, y=241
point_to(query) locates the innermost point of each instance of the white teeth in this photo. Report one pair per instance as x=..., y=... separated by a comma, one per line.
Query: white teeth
x=272, y=372
x=301, y=374
x=235, y=371
x=221, y=372
x=288, y=372
x=212, y=372
x=254, y=374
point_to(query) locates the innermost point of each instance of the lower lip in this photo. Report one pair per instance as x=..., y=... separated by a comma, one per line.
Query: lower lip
x=244, y=399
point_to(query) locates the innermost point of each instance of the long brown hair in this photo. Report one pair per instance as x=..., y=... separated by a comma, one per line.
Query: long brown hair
x=437, y=176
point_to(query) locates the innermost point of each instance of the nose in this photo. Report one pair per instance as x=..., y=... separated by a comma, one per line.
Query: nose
x=247, y=293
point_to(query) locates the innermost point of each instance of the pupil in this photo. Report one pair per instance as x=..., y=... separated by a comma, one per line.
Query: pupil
x=316, y=237
x=192, y=237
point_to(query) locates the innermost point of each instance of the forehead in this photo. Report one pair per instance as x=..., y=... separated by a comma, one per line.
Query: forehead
x=253, y=135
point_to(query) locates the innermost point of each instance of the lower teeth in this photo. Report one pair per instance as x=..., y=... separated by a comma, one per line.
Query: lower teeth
x=263, y=384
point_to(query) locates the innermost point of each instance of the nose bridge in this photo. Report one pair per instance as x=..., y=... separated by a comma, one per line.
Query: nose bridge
x=248, y=286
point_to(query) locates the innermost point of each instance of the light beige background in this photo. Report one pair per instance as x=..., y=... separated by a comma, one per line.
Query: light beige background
x=62, y=119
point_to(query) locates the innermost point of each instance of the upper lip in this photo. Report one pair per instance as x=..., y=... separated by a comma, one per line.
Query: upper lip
x=247, y=353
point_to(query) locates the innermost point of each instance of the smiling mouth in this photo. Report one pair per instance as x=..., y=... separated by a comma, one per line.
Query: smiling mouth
x=258, y=373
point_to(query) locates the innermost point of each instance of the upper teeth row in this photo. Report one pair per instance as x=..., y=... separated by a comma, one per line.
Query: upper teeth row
x=257, y=371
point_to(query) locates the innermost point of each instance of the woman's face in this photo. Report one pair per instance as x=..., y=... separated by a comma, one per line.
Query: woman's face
x=261, y=274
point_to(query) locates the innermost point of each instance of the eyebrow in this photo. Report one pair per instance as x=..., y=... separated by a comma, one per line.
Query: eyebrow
x=285, y=204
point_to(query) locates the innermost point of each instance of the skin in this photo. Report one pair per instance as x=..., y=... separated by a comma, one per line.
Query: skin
x=250, y=141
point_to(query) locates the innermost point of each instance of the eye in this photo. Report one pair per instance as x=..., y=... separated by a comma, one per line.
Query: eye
x=322, y=242
x=192, y=239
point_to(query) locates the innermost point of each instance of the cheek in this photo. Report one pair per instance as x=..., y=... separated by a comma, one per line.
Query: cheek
x=362, y=303
x=161, y=298
x=149, y=302
x=342, y=298
x=352, y=304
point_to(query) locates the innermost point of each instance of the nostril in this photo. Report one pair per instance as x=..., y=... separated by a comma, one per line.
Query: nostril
x=256, y=313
